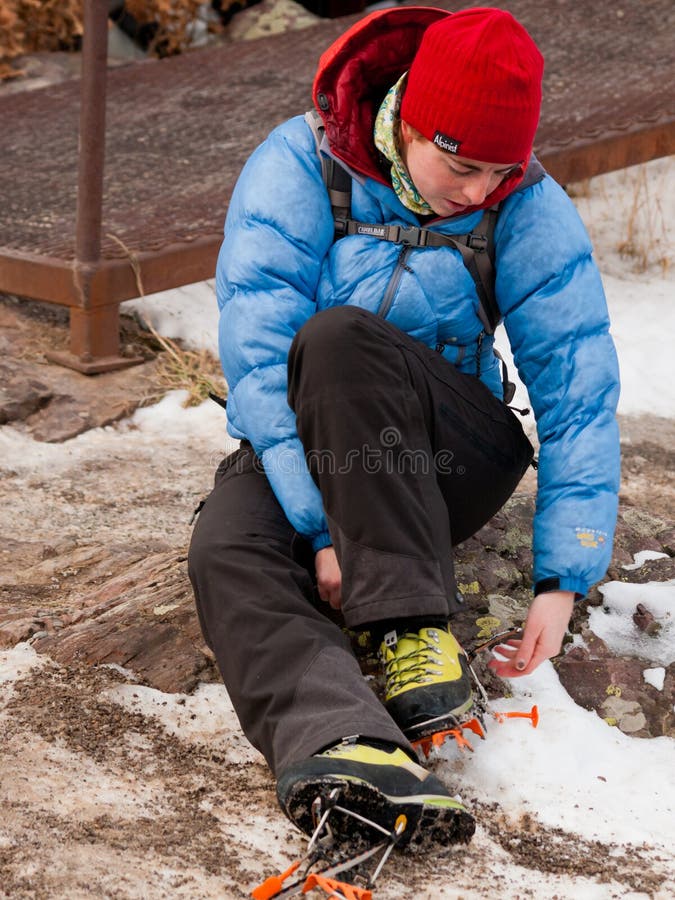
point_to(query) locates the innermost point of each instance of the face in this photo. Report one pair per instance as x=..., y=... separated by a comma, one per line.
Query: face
x=447, y=182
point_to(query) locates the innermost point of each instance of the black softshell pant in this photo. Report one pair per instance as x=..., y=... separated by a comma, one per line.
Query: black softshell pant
x=410, y=456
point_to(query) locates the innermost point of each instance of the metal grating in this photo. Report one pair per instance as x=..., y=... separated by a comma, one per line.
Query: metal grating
x=179, y=130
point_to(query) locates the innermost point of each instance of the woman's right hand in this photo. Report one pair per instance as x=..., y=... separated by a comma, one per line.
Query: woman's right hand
x=328, y=577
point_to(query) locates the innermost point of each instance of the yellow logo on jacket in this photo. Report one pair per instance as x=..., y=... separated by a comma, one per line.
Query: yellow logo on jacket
x=590, y=537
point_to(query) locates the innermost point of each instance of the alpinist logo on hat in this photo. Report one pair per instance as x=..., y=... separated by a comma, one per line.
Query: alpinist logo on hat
x=446, y=143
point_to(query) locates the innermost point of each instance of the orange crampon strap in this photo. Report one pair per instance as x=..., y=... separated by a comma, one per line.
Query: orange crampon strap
x=274, y=884
x=437, y=739
x=533, y=716
x=336, y=888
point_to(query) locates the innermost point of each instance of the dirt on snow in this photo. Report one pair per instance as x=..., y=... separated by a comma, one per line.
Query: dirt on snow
x=100, y=795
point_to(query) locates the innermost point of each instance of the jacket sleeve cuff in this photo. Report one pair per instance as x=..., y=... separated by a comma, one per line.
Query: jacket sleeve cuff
x=323, y=539
x=567, y=583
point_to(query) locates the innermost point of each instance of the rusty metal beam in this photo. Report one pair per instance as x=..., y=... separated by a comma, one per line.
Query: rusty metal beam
x=173, y=265
x=97, y=330
x=171, y=165
x=37, y=277
x=94, y=333
x=52, y=280
x=92, y=133
x=580, y=159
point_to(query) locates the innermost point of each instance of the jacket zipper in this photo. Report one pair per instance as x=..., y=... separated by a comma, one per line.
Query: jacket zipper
x=394, y=282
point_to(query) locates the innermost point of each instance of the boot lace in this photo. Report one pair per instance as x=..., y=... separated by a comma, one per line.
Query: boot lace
x=414, y=667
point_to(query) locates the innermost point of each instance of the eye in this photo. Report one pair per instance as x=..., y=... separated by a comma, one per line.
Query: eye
x=459, y=171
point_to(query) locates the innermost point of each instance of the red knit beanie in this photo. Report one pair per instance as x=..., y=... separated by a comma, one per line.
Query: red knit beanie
x=474, y=87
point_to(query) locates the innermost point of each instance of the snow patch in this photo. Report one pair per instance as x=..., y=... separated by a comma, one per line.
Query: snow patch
x=170, y=420
x=613, y=621
x=656, y=677
x=138, y=436
x=643, y=556
x=573, y=771
x=17, y=662
x=205, y=717
x=188, y=313
x=642, y=313
x=72, y=784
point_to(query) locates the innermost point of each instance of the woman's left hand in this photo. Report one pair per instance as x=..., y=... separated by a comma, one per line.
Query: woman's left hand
x=544, y=630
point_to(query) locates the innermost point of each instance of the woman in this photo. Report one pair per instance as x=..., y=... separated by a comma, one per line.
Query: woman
x=368, y=398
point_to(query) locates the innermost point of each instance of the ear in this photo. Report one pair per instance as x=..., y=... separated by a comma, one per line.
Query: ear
x=407, y=132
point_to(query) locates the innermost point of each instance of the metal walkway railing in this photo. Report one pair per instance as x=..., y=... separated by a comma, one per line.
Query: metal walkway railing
x=179, y=130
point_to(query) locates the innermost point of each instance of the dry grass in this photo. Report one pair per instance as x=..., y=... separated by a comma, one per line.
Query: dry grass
x=11, y=42
x=27, y=26
x=629, y=215
x=645, y=241
x=194, y=371
x=174, y=20
x=30, y=25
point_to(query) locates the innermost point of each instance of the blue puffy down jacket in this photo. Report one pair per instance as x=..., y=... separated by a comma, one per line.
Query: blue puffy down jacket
x=279, y=265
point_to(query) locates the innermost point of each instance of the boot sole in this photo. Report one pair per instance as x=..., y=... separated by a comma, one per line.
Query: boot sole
x=429, y=825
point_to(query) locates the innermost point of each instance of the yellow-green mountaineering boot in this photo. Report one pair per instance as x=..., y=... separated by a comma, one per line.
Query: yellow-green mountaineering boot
x=378, y=783
x=428, y=685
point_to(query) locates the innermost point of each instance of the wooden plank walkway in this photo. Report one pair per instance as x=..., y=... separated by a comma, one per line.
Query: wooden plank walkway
x=179, y=130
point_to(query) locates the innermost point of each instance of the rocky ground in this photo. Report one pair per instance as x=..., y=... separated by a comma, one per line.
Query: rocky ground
x=99, y=796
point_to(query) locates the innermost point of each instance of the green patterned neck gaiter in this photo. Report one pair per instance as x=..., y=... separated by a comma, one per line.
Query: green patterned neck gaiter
x=386, y=126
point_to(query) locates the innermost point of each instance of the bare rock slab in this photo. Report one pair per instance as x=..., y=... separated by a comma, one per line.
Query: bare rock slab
x=125, y=605
x=21, y=393
x=614, y=686
x=142, y=619
x=52, y=403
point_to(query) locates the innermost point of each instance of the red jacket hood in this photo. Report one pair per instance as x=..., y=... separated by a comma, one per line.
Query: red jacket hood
x=355, y=73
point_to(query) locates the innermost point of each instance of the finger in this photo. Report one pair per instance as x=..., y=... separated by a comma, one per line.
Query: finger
x=504, y=668
x=508, y=668
x=527, y=648
x=502, y=660
x=512, y=642
x=535, y=661
x=332, y=593
x=504, y=650
x=326, y=587
x=325, y=592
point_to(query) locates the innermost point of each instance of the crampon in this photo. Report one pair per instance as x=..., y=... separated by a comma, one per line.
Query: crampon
x=347, y=871
x=474, y=720
x=337, y=870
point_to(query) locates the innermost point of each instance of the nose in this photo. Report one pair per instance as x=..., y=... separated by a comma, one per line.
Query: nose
x=476, y=187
